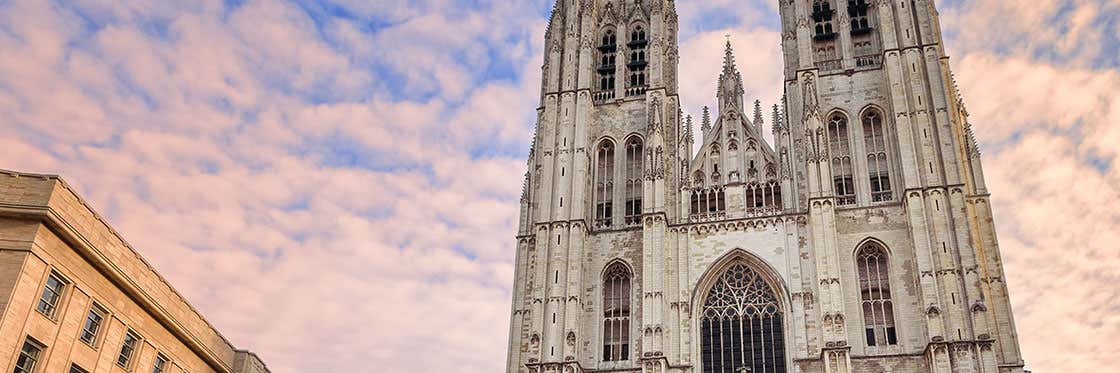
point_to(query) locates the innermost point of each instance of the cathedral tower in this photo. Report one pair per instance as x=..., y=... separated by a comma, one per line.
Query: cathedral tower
x=860, y=240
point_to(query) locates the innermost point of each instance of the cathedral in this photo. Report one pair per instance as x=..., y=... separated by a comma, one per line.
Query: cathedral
x=855, y=236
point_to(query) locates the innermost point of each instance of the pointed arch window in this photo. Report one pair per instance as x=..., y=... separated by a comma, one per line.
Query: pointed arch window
x=604, y=184
x=607, y=53
x=741, y=325
x=633, y=181
x=822, y=20
x=840, y=148
x=877, y=165
x=637, y=63
x=875, y=289
x=616, y=313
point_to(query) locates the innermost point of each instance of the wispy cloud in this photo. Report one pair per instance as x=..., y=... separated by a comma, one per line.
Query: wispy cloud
x=351, y=169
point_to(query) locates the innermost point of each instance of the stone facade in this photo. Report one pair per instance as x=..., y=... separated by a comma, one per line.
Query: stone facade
x=865, y=223
x=48, y=233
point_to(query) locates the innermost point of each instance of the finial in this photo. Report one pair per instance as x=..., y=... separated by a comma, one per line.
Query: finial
x=706, y=120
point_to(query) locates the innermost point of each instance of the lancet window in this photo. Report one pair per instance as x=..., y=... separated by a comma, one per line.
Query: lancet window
x=840, y=149
x=637, y=63
x=633, y=181
x=877, y=165
x=708, y=202
x=604, y=184
x=875, y=289
x=616, y=313
x=741, y=325
x=763, y=197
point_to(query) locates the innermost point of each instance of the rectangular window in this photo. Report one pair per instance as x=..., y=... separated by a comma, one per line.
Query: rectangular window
x=892, y=339
x=28, y=356
x=870, y=335
x=160, y=365
x=52, y=293
x=127, y=349
x=74, y=368
x=93, y=324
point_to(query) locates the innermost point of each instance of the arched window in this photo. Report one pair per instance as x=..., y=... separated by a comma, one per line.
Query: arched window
x=616, y=313
x=875, y=287
x=633, y=181
x=877, y=166
x=822, y=20
x=607, y=51
x=840, y=148
x=637, y=63
x=604, y=184
x=741, y=325
x=857, y=11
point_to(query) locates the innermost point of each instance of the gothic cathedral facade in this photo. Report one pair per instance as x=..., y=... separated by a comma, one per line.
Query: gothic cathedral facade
x=858, y=238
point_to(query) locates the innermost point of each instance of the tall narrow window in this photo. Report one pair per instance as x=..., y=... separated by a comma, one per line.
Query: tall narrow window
x=875, y=287
x=839, y=146
x=616, y=313
x=877, y=166
x=92, y=326
x=822, y=20
x=634, y=181
x=637, y=63
x=28, y=356
x=607, y=50
x=128, y=348
x=52, y=293
x=160, y=365
x=604, y=184
x=857, y=11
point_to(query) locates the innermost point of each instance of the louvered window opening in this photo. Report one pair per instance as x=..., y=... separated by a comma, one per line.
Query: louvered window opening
x=840, y=149
x=877, y=166
x=633, y=181
x=604, y=185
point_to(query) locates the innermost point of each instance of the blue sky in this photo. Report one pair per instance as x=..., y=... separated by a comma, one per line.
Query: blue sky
x=351, y=168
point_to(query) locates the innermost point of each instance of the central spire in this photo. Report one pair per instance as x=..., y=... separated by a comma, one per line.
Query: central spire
x=730, y=92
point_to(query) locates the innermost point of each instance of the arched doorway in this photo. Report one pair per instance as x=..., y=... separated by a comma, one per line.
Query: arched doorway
x=741, y=325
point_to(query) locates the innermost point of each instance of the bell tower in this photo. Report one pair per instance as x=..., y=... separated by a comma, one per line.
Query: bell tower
x=875, y=118
x=859, y=239
x=605, y=153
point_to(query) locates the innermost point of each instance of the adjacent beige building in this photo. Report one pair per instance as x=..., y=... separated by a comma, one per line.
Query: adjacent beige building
x=850, y=232
x=75, y=297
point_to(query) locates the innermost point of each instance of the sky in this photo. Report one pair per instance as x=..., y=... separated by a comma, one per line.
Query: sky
x=334, y=184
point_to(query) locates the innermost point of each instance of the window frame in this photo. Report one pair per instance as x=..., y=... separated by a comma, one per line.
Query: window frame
x=59, y=295
x=75, y=368
x=877, y=147
x=95, y=309
x=131, y=357
x=160, y=363
x=38, y=347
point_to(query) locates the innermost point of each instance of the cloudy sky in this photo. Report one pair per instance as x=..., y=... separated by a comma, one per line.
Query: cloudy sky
x=334, y=184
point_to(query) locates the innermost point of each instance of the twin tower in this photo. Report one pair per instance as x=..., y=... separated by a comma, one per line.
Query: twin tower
x=859, y=238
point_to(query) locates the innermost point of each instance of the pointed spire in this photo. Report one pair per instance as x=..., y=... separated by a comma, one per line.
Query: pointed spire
x=728, y=58
x=706, y=121
x=687, y=129
x=730, y=91
x=758, y=116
